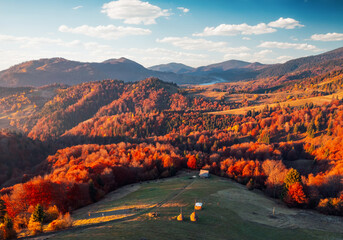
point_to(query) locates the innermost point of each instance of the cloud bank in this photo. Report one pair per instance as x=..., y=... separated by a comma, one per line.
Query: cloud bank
x=108, y=32
x=134, y=11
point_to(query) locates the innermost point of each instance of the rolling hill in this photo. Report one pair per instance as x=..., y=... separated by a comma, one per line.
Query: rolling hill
x=313, y=64
x=223, y=210
x=109, y=97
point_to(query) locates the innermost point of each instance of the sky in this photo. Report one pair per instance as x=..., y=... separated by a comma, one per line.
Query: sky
x=193, y=32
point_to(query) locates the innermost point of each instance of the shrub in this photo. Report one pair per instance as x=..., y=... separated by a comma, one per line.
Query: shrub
x=51, y=214
x=6, y=233
x=21, y=221
x=34, y=226
x=36, y=220
x=62, y=222
x=250, y=184
x=6, y=228
x=332, y=206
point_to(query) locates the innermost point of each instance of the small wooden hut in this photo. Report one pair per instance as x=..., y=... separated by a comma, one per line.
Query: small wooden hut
x=204, y=173
x=198, y=206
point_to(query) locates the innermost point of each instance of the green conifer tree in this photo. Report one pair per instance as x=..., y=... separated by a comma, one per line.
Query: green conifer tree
x=292, y=177
x=38, y=214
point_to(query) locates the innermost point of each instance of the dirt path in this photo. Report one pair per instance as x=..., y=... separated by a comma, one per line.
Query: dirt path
x=172, y=196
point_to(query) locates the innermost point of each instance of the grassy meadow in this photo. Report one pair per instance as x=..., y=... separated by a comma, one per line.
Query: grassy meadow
x=230, y=212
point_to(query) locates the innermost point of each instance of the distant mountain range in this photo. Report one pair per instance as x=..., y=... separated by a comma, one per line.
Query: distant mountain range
x=58, y=70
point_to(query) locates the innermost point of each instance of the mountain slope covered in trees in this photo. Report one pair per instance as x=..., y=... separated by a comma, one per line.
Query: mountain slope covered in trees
x=80, y=142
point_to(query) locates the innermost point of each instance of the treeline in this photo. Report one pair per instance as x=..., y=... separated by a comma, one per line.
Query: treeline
x=80, y=175
x=292, y=153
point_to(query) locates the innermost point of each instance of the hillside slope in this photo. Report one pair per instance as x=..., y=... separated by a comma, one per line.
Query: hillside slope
x=223, y=216
x=84, y=101
x=324, y=62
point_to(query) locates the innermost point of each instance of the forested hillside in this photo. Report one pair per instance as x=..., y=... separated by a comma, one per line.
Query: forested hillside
x=279, y=135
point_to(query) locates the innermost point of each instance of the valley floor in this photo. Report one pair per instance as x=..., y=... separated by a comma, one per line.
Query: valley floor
x=230, y=212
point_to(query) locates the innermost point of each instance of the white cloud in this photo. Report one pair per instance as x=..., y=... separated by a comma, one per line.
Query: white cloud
x=96, y=52
x=184, y=10
x=187, y=43
x=37, y=41
x=105, y=32
x=245, y=29
x=264, y=52
x=164, y=53
x=192, y=43
x=287, y=23
x=18, y=49
x=235, y=29
x=155, y=56
x=234, y=50
x=285, y=45
x=77, y=7
x=239, y=56
x=134, y=11
x=250, y=57
x=283, y=59
x=95, y=45
x=246, y=38
x=328, y=37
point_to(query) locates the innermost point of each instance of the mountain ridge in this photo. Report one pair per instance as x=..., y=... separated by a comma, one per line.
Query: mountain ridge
x=47, y=71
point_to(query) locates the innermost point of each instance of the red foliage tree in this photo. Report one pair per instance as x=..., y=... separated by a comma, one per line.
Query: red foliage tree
x=192, y=162
x=296, y=195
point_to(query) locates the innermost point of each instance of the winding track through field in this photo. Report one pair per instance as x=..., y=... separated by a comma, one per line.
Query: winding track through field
x=173, y=196
x=170, y=197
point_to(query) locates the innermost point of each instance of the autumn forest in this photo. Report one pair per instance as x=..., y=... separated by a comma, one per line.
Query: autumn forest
x=64, y=147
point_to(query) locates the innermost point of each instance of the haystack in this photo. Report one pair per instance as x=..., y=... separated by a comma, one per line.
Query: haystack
x=180, y=217
x=194, y=217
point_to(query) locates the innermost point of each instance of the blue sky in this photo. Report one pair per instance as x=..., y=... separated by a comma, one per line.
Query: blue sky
x=194, y=32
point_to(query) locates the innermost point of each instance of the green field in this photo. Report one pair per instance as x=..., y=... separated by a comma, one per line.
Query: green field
x=230, y=212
